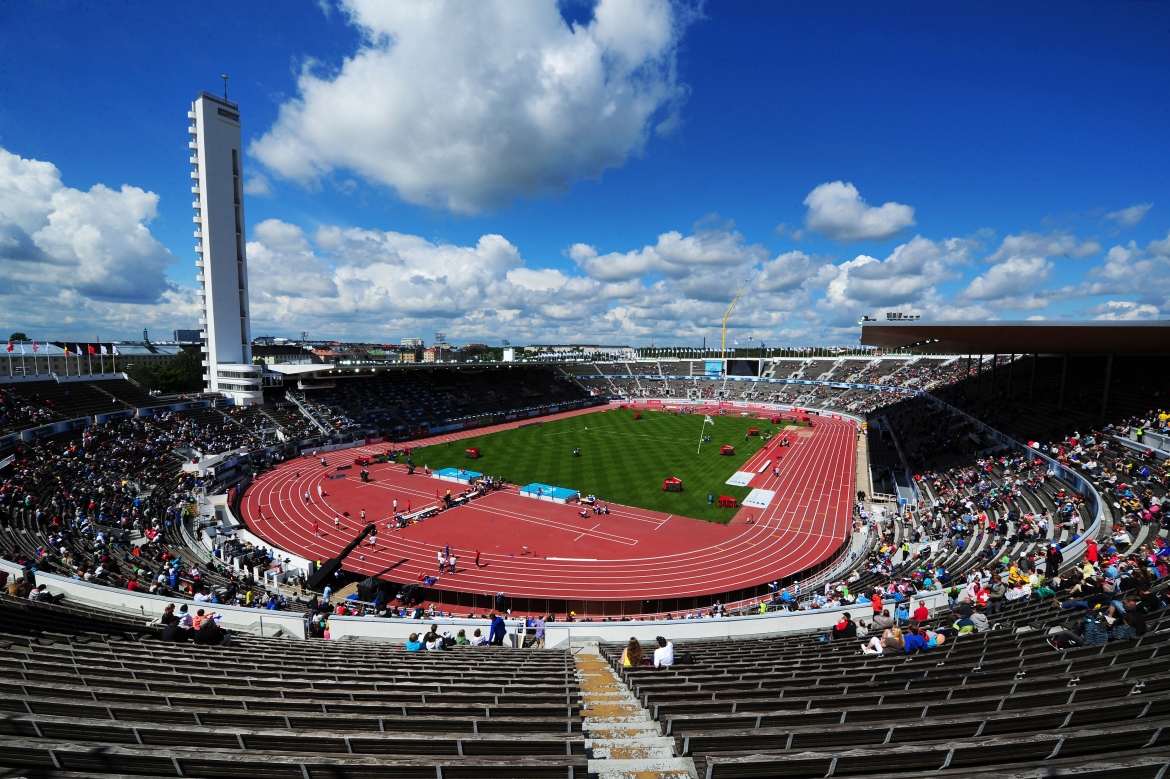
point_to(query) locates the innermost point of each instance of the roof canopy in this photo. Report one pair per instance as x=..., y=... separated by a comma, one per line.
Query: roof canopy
x=1039, y=337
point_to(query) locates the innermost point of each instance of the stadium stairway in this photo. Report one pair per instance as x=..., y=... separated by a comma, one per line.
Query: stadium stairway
x=622, y=740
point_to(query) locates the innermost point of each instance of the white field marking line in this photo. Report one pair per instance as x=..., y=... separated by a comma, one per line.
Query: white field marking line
x=507, y=514
x=587, y=532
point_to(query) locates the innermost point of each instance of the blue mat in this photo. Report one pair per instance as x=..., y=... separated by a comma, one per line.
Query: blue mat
x=548, y=491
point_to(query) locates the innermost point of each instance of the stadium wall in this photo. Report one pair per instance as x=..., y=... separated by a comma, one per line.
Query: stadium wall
x=560, y=634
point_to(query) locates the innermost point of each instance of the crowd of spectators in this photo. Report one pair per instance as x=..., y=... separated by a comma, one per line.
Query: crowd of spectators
x=106, y=506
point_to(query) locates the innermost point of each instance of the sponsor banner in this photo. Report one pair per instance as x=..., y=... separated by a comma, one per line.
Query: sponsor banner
x=337, y=476
x=378, y=440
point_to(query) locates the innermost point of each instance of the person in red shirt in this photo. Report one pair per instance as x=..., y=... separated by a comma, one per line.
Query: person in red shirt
x=877, y=604
x=921, y=614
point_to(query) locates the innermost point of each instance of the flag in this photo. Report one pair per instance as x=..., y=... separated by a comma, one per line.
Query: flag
x=66, y=348
x=78, y=347
x=104, y=352
x=735, y=342
x=707, y=420
x=114, y=348
x=22, y=352
x=92, y=351
x=10, y=346
x=751, y=338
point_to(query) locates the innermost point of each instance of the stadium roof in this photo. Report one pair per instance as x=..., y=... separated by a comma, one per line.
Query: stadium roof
x=1033, y=337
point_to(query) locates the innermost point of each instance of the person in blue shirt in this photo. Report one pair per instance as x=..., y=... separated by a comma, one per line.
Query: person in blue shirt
x=498, y=631
x=914, y=641
x=413, y=644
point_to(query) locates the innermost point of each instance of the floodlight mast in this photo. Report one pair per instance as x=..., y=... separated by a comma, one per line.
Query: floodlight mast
x=723, y=344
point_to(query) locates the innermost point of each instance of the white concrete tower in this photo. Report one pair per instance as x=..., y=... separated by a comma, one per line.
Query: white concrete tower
x=217, y=158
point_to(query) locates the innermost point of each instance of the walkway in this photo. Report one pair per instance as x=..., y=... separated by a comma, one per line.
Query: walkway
x=621, y=739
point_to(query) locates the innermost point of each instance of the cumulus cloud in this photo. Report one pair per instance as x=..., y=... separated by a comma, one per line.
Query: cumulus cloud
x=96, y=242
x=67, y=254
x=673, y=255
x=1124, y=310
x=837, y=211
x=465, y=106
x=907, y=279
x=361, y=282
x=1010, y=283
x=1128, y=217
x=1038, y=245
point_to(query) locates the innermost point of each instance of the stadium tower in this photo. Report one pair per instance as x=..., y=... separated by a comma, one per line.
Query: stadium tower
x=223, y=267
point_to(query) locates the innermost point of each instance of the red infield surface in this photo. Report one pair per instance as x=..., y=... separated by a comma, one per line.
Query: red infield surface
x=537, y=549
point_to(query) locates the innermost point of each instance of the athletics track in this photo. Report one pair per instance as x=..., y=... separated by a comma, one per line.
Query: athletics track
x=537, y=549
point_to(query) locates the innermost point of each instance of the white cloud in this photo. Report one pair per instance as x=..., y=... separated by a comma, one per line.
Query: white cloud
x=1037, y=245
x=1010, y=283
x=1128, y=270
x=537, y=280
x=257, y=185
x=836, y=210
x=1128, y=217
x=1124, y=310
x=465, y=106
x=1161, y=247
x=907, y=278
x=72, y=258
x=673, y=255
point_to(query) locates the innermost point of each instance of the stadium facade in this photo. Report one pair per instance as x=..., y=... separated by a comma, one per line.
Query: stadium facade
x=217, y=160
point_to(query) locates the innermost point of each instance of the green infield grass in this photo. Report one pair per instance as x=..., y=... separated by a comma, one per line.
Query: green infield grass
x=623, y=460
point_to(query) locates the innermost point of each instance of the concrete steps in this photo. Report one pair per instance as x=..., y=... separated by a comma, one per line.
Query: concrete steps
x=622, y=741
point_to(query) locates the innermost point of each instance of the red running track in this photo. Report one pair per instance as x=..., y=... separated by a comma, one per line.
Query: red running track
x=538, y=549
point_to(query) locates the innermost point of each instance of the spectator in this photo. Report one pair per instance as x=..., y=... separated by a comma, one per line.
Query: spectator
x=632, y=656
x=498, y=630
x=413, y=644
x=891, y=639
x=478, y=639
x=664, y=654
x=845, y=628
x=882, y=621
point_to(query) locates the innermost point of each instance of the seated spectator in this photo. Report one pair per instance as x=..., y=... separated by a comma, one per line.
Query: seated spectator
x=478, y=639
x=1093, y=631
x=632, y=655
x=168, y=616
x=209, y=633
x=664, y=654
x=433, y=641
x=882, y=621
x=891, y=639
x=845, y=628
x=461, y=638
x=915, y=641
x=979, y=618
x=413, y=644
x=921, y=614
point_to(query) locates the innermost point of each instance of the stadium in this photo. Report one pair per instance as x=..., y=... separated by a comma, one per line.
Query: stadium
x=938, y=550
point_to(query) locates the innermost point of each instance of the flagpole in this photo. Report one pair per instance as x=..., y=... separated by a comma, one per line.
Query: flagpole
x=702, y=431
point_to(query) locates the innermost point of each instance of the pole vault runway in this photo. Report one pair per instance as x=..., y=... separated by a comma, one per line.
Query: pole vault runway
x=536, y=549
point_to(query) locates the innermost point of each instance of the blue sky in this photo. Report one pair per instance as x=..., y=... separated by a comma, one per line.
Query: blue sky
x=598, y=172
